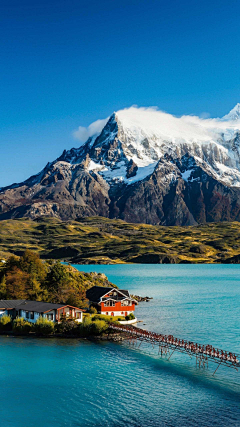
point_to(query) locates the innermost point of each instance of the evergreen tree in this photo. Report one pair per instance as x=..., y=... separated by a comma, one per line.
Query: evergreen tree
x=3, y=288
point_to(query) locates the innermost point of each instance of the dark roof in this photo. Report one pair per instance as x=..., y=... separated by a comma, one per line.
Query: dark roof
x=96, y=292
x=38, y=306
x=10, y=303
x=124, y=292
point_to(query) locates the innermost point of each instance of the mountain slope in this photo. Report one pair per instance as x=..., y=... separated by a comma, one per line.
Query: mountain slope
x=99, y=240
x=144, y=166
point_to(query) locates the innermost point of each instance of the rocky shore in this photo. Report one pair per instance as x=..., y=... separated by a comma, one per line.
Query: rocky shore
x=141, y=299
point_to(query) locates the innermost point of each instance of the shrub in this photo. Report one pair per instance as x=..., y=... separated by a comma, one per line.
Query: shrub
x=98, y=327
x=92, y=310
x=5, y=323
x=130, y=316
x=103, y=317
x=44, y=326
x=84, y=329
x=21, y=326
x=67, y=327
x=89, y=327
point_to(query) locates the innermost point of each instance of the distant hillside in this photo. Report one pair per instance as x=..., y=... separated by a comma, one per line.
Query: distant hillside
x=99, y=240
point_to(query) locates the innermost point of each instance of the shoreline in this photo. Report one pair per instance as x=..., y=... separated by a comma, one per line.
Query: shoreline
x=116, y=337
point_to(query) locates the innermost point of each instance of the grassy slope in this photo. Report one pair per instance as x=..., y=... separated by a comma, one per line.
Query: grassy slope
x=101, y=240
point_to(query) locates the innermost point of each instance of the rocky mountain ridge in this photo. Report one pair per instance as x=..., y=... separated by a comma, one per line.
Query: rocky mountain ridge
x=144, y=166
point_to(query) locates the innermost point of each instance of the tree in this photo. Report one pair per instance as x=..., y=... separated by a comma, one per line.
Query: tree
x=16, y=284
x=59, y=284
x=92, y=310
x=35, y=291
x=3, y=288
x=31, y=264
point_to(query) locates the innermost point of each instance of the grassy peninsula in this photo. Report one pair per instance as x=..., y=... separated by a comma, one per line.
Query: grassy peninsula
x=98, y=240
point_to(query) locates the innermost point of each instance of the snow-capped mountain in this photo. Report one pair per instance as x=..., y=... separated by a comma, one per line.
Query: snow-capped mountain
x=143, y=166
x=143, y=136
x=234, y=114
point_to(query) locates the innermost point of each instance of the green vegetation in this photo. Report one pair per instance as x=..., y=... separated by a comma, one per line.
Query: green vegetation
x=92, y=310
x=5, y=323
x=100, y=240
x=130, y=316
x=28, y=277
x=108, y=319
x=43, y=326
x=89, y=327
x=22, y=326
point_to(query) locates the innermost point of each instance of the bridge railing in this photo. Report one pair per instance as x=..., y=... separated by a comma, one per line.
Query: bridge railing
x=202, y=352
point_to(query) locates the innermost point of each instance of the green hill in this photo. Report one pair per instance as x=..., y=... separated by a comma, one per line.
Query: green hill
x=97, y=240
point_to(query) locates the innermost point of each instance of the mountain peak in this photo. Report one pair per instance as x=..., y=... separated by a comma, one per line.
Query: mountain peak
x=234, y=114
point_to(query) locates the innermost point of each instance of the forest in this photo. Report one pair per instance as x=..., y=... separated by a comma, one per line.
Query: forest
x=29, y=277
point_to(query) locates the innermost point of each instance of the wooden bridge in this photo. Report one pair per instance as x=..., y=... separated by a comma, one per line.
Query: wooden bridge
x=167, y=345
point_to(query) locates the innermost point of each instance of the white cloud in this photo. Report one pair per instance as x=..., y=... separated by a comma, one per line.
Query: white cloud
x=157, y=123
x=83, y=133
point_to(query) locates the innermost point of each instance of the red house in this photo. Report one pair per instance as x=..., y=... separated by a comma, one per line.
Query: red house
x=111, y=301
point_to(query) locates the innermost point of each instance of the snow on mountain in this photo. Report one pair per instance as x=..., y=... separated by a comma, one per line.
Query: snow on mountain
x=234, y=114
x=145, y=135
x=140, y=165
x=127, y=147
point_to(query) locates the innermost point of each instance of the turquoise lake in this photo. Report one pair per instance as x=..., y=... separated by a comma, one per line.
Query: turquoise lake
x=72, y=382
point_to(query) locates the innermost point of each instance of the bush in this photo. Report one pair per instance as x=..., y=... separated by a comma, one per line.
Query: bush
x=130, y=316
x=84, y=329
x=92, y=310
x=98, y=327
x=89, y=327
x=5, y=323
x=108, y=319
x=67, y=327
x=44, y=326
x=21, y=326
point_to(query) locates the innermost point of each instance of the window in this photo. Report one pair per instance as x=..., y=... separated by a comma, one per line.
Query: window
x=109, y=303
x=27, y=314
x=50, y=316
x=32, y=315
x=126, y=302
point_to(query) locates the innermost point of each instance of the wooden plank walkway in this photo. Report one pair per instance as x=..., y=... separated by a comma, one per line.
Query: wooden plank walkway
x=167, y=345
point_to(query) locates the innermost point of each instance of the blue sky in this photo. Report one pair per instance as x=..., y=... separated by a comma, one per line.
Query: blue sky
x=69, y=63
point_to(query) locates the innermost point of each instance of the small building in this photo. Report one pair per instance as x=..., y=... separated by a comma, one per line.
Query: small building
x=32, y=310
x=111, y=301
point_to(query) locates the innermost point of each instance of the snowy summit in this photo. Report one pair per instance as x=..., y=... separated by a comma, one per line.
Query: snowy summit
x=141, y=165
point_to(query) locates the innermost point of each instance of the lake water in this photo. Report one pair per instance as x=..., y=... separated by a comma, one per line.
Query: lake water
x=57, y=382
